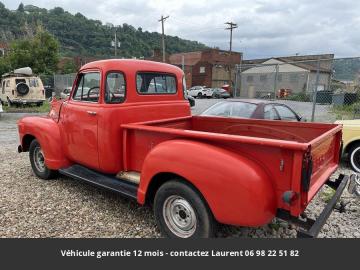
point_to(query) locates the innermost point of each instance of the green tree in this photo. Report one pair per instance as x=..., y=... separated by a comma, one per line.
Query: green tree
x=40, y=53
x=69, y=67
x=21, y=8
x=4, y=65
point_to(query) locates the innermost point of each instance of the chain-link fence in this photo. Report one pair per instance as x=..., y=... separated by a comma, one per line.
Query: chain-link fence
x=63, y=83
x=320, y=88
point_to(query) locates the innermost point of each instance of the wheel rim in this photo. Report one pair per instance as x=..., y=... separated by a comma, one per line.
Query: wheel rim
x=39, y=159
x=179, y=216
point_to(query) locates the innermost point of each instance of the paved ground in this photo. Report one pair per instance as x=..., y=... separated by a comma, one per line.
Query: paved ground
x=30, y=207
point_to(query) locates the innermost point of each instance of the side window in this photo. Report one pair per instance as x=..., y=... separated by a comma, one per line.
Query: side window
x=243, y=109
x=270, y=113
x=88, y=87
x=285, y=113
x=33, y=82
x=115, y=88
x=7, y=83
x=155, y=83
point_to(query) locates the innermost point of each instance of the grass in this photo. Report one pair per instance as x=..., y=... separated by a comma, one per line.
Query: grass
x=28, y=109
x=327, y=194
x=346, y=111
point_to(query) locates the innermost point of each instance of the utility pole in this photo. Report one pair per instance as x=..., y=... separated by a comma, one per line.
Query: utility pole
x=115, y=44
x=162, y=20
x=231, y=27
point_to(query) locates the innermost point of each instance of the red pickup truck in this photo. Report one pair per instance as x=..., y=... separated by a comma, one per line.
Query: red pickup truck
x=127, y=127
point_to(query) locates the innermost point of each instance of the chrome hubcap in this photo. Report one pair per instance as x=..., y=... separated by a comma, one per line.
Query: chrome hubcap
x=179, y=216
x=39, y=159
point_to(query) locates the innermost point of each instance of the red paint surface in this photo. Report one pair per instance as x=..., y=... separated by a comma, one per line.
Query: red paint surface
x=234, y=163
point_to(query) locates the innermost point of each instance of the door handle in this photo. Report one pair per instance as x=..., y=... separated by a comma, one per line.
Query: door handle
x=91, y=112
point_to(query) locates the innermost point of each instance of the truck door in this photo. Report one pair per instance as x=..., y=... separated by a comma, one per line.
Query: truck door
x=80, y=120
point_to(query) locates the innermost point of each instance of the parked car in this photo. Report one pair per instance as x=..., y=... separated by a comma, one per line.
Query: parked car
x=258, y=109
x=191, y=101
x=150, y=148
x=200, y=92
x=351, y=142
x=21, y=87
x=220, y=93
x=65, y=93
x=1, y=109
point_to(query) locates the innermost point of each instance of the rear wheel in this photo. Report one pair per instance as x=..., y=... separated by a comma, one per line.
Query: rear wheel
x=199, y=95
x=354, y=157
x=37, y=160
x=181, y=212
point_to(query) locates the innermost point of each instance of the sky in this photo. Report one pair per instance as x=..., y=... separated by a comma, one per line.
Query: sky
x=266, y=28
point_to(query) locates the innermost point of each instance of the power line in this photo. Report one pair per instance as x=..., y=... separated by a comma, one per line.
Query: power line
x=162, y=20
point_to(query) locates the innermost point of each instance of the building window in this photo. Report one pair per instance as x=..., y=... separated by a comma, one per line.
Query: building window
x=263, y=78
x=250, y=78
x=294, y=78
x=279, y=77
x=202, y=69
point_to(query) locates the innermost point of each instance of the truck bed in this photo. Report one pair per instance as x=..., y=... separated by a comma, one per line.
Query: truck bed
x=297, y=156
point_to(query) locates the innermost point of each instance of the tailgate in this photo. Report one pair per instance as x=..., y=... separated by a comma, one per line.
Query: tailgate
x=321, y=162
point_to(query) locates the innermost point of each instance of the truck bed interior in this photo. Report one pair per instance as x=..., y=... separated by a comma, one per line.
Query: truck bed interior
x=279, y=130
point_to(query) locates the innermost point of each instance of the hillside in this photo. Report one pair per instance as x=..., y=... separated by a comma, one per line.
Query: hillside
x=79, y=35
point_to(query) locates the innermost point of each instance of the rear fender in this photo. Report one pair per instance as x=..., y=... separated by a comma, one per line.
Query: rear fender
x=47, y=132
x=236, y=189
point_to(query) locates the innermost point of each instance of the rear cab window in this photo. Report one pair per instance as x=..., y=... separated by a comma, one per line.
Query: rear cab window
x=155, y=83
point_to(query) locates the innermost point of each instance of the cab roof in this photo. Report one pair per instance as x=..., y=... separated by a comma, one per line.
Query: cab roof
x=132, y=65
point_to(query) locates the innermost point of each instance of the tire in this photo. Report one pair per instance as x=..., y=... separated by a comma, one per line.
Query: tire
x=354, y=157
x=22, y=89
x=181, y=212
x=199, y=95
x=37, y=162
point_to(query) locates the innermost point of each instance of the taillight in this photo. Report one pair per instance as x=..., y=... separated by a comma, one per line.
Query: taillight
x=13, y=92
x=43, y=91
x=290, y=197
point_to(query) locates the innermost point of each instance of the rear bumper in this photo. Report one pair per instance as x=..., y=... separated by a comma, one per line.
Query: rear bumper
x=26, y=101
x=310, y=228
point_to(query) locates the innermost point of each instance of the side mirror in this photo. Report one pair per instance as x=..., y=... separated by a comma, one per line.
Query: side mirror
x=354, y=185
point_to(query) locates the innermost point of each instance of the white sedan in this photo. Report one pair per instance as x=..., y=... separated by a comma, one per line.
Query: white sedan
x=200, y=92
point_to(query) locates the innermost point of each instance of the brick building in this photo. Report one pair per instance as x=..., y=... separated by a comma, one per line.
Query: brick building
x=208, y=67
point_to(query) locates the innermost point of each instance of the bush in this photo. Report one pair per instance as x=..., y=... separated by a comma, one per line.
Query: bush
x=299, y=97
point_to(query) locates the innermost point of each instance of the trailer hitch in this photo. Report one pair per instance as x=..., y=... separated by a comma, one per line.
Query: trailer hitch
x=310, y=228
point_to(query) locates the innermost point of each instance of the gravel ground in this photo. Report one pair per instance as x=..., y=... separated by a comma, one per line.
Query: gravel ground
x=30, y=207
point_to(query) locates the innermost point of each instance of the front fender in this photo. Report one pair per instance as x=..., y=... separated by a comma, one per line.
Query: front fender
x=237, y=189
x=47, y=132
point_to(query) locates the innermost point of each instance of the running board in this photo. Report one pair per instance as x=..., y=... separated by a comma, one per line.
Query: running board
x=131, y=176
x=101, y=180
